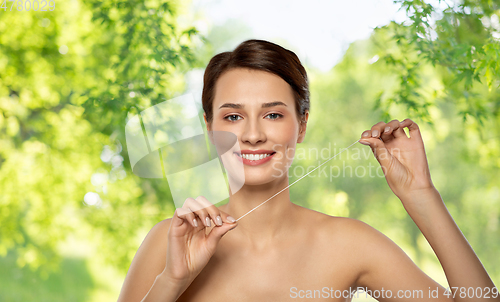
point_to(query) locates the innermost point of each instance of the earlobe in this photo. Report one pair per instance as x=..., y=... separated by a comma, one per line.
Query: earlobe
x=207, y=124
x=205, y=118
x=302, y=134
x=302, y=127
x=210, y=136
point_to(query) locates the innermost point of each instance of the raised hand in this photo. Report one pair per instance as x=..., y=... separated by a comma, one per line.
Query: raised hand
x=402, y=158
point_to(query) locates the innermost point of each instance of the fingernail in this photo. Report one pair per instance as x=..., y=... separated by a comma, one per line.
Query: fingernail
x=195, y=223
x=207, y=222
x=365, y=134
x=374, y=133
x=230, y=218
x=219, y=220
x=387, y=129
x=365, y=143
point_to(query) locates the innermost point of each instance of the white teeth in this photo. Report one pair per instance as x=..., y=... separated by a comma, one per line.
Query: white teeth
x=254, y=156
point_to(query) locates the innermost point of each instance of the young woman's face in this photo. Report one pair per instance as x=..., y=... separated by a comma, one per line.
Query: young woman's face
x=259, y=108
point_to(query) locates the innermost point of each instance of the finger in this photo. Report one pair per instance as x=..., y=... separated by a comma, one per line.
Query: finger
x=399, y=132
x=226, y=218
x=187, y=214
x=367, y=133
x=193, y=220
x=198, y=209
x=213, y=211
x=177, y=221
x=365, y=136
x=216, y=234
x=381, y=153
x=181, y=222
x=203, y=215
x=387, y=131
x=392, y=130
x=377, y=129
x=184, y=210
x=412, y=127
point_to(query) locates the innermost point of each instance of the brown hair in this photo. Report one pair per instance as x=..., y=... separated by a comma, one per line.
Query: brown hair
x=258, y=55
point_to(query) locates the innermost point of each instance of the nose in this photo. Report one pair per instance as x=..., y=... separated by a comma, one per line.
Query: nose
x=253, y=133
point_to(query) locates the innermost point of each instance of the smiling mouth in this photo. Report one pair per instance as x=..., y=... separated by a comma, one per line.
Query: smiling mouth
x=255, y=157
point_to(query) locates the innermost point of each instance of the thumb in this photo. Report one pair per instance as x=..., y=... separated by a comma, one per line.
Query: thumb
x=217, y=232
x=383, y=156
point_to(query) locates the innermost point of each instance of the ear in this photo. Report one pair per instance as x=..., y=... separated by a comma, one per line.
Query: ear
x=302, y=127
x=206, y=122
x=209, y=127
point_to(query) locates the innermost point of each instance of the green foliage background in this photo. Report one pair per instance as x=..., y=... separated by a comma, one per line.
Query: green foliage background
x=70, y=78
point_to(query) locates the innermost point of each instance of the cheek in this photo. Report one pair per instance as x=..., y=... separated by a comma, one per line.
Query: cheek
x=221, y=126
x=285, y=134
x=286, y=139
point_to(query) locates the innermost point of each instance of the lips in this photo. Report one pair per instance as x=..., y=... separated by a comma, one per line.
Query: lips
x=255, y=157
x=257, y=151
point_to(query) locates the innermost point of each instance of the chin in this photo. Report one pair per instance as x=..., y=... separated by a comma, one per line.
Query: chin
x=257, y=182
x=262, y=178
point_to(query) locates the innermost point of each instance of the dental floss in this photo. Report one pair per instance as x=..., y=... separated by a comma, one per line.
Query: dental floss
x=296, y=180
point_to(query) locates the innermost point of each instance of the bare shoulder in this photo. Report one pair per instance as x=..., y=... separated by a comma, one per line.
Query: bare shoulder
x=373, y=255
x=338, y=226
x=148, y=262
x=362, y=242
x=369, y=253
x=157, y=237
x=346, y=243
x=162, y=226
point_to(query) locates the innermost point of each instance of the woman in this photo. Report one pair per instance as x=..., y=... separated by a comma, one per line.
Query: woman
x=283, y=251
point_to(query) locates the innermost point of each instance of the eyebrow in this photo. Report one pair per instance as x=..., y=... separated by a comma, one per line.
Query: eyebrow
x=240, y=106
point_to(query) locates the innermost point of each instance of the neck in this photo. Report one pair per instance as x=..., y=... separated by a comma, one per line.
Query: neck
x=270, y=219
